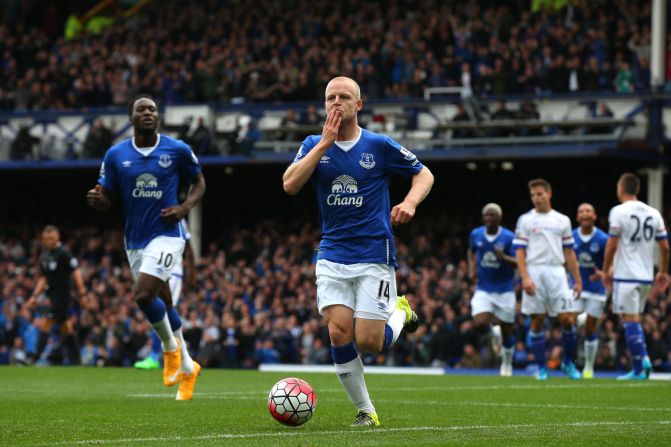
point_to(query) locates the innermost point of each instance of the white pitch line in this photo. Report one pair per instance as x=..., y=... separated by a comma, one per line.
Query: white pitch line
x=355, y=432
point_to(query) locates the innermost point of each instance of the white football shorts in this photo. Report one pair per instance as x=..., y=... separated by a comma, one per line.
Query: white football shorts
x=552, y=296
x=502, y=305
x=592, y=303
x=368, y=289
x=629, y=297
x=158, y=258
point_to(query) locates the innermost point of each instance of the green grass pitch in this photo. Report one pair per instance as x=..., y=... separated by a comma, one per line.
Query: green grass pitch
x=126, y=407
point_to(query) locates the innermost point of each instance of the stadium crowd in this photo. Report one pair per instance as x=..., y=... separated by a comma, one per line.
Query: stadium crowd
x=251, y=299
x=265, y=51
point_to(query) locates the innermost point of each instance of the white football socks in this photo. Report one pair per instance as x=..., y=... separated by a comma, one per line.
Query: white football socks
x=350, y=375
x=507, y=356
x=187, y=361
x=396, y=322
x=591, y=348
x=164, y=332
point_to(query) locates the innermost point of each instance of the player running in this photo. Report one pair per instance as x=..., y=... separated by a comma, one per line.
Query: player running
x=144, y=172
x=349, y=168
x=491, y=264
x=544, y=243
x=634, y=229
x=589, y=246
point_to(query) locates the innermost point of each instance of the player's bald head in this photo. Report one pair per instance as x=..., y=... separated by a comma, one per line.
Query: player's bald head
x=344, y=83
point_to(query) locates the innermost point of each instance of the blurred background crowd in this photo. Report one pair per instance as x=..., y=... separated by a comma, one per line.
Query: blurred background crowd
x=231, y=50
x=251, y=299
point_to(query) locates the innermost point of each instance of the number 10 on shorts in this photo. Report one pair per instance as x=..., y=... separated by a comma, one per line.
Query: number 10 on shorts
x=383, y=290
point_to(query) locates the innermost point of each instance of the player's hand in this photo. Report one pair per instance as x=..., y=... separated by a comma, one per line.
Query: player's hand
x=598, y=275
x=662, y=281
x=331, y=126
x=577, y=290
x=174, y=213
x=529, y=286
x=402, y=213
x=96, y=199
x=608, y=280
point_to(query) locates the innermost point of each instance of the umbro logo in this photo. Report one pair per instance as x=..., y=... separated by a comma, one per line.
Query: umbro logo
x=325, y=159
x=126, y=163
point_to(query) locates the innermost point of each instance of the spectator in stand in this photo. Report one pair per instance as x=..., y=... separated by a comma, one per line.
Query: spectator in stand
x=98, y=140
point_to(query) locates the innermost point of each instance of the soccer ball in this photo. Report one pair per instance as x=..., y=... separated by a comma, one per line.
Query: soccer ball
x=292, y=401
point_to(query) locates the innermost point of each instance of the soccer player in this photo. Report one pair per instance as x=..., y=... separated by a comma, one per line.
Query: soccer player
x=57, y=267
x=589, y=246
x=175, y=281
x=544, y=243
x=144, y=172
x=349, y=168
x=491, y=264
x=634, y=229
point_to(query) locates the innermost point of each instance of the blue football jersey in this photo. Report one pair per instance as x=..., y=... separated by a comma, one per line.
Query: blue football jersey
x=148, y=183
x=590, y=256
x=494, y=274
x=352, y=188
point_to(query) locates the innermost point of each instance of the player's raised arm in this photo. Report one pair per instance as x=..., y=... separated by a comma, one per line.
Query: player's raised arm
x=421, y=186
x=299, y=172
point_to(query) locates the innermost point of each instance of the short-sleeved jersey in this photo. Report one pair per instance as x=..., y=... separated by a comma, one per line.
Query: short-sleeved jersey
x=146, y=181
x=352, y=188
x=590, y=250
x=639, y=227
x=544, y=236
x=57, y=266
x=494, y=274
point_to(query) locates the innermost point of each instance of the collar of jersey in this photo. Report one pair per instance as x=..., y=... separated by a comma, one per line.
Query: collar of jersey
x=492, y=237
x=349, y=144
x=148, y=150
x=586, y=237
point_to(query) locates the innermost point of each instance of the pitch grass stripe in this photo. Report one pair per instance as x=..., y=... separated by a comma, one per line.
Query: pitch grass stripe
x=446, y=388
x=528, y=405
x=259, y=396
x=357, y=432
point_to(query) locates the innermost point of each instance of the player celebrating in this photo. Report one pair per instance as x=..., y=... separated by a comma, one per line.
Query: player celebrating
x=175, y=282
x=634, y=228
x=544, y=242
x=589, y=246
x=57, y=267
x=491, y=263
x=356, y=282
x=145, y=172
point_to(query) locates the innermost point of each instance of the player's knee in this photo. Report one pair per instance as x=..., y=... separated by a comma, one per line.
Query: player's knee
x=339, y=334
x=370, y=343
x=567, y=321
x=143, y=295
